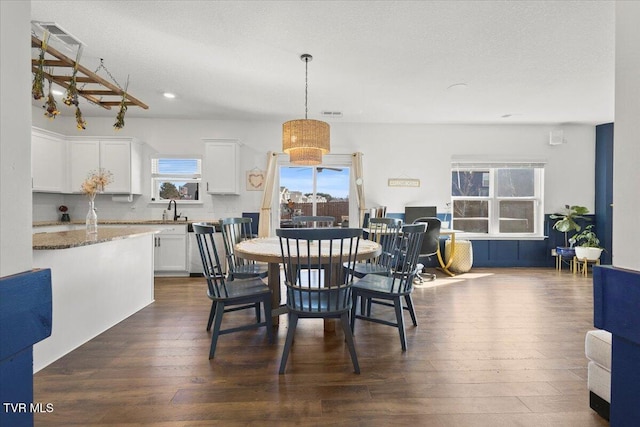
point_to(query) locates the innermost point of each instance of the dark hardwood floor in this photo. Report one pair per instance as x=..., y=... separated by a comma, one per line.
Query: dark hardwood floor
x=496, y=347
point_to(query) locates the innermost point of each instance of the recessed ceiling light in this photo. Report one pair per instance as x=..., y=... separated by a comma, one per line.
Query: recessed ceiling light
x=57, y=92
x=169, y=95
x=457, y=86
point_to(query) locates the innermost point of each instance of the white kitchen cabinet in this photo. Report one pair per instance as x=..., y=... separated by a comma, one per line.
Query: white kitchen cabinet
x=48, y=162
x=222, y=166
x=121, y=156
x=170, y=250
x=84, y=157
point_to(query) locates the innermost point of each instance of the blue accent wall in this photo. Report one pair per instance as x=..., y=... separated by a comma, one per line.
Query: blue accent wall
x=604, y=189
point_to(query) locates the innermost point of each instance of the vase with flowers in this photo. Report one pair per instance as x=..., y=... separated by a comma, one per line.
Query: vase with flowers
x=95, y=183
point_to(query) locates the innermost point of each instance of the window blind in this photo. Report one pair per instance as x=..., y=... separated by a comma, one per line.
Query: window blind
x=176, y=167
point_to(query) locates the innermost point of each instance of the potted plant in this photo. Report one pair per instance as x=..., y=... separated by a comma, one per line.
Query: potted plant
x=566, y=223
x=588, y=244
x=65, y=215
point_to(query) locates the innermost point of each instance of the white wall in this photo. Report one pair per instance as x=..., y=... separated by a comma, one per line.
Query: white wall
x=15, y=138
x=390, y=151
x=626, y=171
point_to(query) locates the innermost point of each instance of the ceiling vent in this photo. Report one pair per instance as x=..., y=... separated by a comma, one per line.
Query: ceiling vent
x=334, y=114
x=58, y=32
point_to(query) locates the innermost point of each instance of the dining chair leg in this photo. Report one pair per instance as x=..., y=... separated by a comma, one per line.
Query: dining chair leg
x=344, y=319
x=354, y=304
x=212, y=313
x=397, y=304
x=369, y=304
x=216, y=328
x=258, y=317
x=293, y=322
x=268, y=319
x=412, y=312
x=363, y=305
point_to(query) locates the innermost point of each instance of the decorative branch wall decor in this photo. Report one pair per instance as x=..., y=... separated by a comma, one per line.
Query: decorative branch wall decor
x=50, y=68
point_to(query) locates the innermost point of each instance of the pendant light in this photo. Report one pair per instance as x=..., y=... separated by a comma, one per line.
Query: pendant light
x=305, y=140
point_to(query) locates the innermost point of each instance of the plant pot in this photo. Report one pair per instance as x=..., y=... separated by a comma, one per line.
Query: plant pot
x=565, y=252
x=590, y=254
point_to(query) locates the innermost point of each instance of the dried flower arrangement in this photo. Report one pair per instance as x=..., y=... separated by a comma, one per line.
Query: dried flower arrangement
x=37, y=89
x=51, y=106
x=96, y=182
x=119, y=124
x=80, y=122
x=74, y=91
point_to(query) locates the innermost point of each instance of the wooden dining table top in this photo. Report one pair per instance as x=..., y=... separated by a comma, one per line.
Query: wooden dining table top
x=267, y=249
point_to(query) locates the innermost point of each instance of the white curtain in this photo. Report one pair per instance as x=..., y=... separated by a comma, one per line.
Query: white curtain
x=359, y=179
x=264, y=225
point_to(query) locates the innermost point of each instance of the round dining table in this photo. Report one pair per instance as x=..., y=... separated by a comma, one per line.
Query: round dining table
x=267, y=249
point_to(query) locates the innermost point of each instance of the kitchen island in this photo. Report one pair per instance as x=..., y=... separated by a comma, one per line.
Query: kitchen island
x=96, y=283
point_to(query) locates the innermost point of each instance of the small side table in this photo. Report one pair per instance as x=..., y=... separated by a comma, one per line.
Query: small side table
x=562, y=260
x=581, y=265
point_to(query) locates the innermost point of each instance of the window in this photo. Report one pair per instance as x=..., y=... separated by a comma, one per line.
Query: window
x=325, y=190
x=500, y=200
x=314, y=190
x=174, y=177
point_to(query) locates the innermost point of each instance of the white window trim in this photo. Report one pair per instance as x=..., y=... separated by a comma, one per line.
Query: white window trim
x=187, y=178
x=464, y=164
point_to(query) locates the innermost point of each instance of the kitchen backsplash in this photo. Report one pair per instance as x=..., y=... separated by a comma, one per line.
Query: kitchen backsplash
x=45, y=207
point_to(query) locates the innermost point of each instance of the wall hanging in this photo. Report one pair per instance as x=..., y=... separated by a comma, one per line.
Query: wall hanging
x=53, y=66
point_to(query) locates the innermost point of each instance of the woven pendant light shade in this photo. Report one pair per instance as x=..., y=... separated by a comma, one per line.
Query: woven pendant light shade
x=305, y=156
x=309, y=139
x=305, y=140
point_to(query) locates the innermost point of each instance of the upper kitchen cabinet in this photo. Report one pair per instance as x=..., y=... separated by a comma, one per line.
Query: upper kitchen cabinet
x=121, y=156
x=222, y=166
x=48, y=162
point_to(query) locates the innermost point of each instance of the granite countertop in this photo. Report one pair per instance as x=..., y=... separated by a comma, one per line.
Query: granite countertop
x=123, y=222
x=77, y=238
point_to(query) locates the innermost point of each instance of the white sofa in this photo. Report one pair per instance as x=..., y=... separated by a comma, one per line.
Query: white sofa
x=597, y=348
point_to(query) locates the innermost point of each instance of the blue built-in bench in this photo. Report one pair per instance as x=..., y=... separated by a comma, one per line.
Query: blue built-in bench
x=25, y=319
x=510, y=253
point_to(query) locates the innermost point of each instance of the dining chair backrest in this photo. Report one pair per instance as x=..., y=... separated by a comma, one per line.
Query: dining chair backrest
x=313, y=262
x=385, y=232
x=211, y=266
x=234, y=231
x=313, y=221
x=406, y=268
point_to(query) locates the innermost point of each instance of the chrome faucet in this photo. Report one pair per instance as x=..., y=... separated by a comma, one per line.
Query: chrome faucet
x=175, y=209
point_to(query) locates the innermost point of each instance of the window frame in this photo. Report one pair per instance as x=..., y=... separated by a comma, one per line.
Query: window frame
x=328, y=160
x=157, y=178
x=493, y=200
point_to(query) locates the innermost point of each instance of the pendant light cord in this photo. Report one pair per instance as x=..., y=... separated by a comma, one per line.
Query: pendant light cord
x=306, y=86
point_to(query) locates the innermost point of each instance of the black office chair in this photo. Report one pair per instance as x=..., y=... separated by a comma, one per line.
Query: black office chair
x=317, y=285
x=392, y=290
x=229, y=295
x=234, y=231
x=430, y=245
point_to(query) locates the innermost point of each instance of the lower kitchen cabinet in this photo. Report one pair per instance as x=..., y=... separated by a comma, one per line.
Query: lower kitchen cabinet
x=170, y=251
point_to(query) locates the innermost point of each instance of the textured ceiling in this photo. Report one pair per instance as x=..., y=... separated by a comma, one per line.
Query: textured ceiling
x=374, y=61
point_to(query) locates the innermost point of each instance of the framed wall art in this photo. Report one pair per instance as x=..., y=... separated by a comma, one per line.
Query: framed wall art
x=255, y=179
